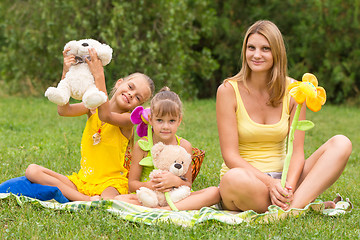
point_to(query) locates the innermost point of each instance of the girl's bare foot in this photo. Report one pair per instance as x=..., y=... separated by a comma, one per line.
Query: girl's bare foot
x=129, y=198
x=119, y=197
x=95, y=198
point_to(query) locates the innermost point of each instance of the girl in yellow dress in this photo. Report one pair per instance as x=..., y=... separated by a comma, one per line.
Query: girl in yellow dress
x=105, y=138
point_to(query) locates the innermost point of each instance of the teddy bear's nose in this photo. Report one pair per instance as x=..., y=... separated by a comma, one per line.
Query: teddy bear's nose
x=85, y=44
x=177, y=165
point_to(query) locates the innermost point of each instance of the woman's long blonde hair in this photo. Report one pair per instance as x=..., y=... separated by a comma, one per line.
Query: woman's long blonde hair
x=277, y=81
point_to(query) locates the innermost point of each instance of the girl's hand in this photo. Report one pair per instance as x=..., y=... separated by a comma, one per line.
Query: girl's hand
x=150, y=184
x=280, y=196
x=68, y=61
x=165, y=181
x=95, y=65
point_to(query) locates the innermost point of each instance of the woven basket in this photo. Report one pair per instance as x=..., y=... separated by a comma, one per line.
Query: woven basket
x=197, y=159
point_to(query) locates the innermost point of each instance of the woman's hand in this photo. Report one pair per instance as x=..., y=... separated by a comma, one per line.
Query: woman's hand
x=165, y=181
x=279, y=196
x=290, y=197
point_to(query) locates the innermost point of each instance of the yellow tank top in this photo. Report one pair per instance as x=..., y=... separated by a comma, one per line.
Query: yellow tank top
x=105, y=160
x=261, y=145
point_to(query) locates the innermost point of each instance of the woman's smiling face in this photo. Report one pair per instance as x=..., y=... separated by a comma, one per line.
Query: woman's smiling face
x=258, y=53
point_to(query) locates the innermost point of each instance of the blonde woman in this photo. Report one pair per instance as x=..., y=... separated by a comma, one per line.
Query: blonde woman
x=254, y=113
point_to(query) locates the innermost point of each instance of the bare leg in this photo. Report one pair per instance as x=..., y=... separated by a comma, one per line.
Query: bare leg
x=129, y=198
x=109, y=193
x=202, y=198
x=44, y=176
x=321, y=170
x=242, y=190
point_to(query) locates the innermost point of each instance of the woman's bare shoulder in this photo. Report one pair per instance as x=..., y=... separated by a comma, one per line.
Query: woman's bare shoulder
x=225, y=86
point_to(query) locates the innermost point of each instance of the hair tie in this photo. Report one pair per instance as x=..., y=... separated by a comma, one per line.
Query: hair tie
x=140, y=116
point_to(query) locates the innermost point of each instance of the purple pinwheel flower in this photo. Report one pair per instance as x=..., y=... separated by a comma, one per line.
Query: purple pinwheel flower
x=140, y=116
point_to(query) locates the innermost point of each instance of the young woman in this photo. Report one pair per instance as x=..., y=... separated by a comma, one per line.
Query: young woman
x=254, y=113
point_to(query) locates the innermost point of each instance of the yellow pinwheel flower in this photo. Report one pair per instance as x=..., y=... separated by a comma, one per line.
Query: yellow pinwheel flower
x=309, y=91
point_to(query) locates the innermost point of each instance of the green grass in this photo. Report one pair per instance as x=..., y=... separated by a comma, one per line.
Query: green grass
x=32, y=132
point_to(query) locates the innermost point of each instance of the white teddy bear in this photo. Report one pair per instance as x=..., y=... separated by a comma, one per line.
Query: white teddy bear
x=172, y=158
x=79, y=82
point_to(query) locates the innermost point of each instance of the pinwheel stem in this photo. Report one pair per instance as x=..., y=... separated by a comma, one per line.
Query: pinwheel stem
x=170, y=202
x=290, y=145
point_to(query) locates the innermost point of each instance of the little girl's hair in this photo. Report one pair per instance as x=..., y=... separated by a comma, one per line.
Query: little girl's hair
x=134, y=75
x=166, y=102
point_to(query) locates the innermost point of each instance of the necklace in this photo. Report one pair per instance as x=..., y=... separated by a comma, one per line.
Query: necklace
x=97, y=136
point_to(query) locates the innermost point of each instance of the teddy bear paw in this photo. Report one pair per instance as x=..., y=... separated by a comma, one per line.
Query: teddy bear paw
x=147, y=197
x=94, y=98
x=179, y=193
x=55, y=96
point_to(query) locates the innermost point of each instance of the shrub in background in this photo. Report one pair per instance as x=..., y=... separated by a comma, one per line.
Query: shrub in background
x=189, y=45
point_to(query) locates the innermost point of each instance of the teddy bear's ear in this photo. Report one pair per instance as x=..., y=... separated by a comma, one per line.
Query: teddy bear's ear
x=104, y=52
x=157, y=149
x=73, y=47
x=185, y=157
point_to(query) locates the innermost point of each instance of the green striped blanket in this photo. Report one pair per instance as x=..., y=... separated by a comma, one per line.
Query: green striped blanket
x=150, y=216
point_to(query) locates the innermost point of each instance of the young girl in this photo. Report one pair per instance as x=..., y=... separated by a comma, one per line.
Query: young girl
x=165, y=118
x=105, y=138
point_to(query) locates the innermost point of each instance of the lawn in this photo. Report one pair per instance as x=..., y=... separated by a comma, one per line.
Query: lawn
x=32, y=132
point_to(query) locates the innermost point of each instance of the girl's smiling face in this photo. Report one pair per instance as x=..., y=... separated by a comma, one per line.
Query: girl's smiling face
x=258, y=53
x=131, y=93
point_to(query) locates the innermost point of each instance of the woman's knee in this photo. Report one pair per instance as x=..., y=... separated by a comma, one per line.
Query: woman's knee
x=235, y=179
x=341, y=143
x=236, y=175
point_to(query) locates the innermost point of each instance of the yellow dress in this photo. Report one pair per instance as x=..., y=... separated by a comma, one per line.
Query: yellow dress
x=102, y=165
x=261, y=145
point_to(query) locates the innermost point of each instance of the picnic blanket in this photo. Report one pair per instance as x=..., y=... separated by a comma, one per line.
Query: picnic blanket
x=150, y=216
